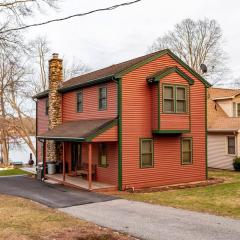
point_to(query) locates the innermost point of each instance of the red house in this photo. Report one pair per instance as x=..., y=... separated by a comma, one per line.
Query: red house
x=139, y=123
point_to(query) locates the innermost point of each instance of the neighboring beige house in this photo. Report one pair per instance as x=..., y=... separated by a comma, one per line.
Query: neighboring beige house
x=223, y=127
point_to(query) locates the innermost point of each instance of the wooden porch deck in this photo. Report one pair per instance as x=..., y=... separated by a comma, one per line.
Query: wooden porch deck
x=81, y=183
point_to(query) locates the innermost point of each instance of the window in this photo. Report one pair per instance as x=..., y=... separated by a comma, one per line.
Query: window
x=186, y=150
x=102, y=98
x=46, y=106
x=181, y=100
x=146, y=153
x=174, y=99
x=238, y=109
x=231, y=145
x=168, y=99
x=79, y=101
x=234, y=110
x=102, y=155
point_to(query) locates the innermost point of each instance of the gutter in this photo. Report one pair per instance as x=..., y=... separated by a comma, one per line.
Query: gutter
x=224, y=130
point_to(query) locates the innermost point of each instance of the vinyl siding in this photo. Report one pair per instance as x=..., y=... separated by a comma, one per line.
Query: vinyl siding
x=109, y=135
x=217, y=152
x=137, y=123
x=90, y=104
x=42, y=124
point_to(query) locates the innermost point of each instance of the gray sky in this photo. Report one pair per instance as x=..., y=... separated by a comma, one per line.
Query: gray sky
x=106, y=38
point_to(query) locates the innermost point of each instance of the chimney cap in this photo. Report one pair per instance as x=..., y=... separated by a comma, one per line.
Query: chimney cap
x=55, y=55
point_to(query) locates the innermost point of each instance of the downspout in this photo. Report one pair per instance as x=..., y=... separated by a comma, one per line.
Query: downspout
x=206, y=134
x=119, y=109
x=36, y=130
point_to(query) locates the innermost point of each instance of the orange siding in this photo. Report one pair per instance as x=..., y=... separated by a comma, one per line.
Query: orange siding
x=90, y=104
x=108, y=174
x=154, y=104
x=137, y=123
x=42, y=124
x=109, y=135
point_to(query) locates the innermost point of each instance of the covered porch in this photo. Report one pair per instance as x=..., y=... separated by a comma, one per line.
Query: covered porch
x=87, y=154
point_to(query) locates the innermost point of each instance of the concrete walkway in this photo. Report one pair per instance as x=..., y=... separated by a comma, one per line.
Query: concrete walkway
x=147, y=221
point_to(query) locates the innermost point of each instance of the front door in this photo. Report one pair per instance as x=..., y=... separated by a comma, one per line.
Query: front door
x=76, y=156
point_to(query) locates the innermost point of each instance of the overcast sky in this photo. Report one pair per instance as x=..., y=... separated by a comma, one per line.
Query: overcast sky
x=106, y=38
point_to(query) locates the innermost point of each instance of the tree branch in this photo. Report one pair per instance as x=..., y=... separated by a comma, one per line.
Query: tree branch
x=71, y=16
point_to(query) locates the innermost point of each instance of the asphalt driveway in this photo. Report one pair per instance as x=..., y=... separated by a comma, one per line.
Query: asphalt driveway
x=55, y=196
x=154, y=222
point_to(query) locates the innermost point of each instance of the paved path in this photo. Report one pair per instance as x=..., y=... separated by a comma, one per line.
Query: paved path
x=55, y=196
x=154, y=222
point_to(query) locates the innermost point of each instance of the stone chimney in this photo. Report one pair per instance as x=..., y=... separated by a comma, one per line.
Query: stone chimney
x=55, y=103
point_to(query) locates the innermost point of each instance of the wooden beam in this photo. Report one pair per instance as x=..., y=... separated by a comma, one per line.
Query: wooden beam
x=90, y=166
x=64, y=163
x=44, y=159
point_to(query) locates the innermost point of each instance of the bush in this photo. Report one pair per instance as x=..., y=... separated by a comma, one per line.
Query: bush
x=236, y=163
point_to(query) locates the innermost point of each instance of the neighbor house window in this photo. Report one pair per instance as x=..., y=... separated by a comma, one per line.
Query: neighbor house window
x=174, y=99
x=46, y=106
x=186, y=150
x=146, y=153
x=234, y=110
x=238, y=109
x=102, y=98
x=231, y=148
x=181, y=101
x=168, y=101
x=102, y=155
x=79, y=101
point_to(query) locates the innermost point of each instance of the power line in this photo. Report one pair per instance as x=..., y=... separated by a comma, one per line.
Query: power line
x=71, y=16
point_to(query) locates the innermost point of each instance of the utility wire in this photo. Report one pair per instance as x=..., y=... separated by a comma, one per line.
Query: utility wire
x=71, y=16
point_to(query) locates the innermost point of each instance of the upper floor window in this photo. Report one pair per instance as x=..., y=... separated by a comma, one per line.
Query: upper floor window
x=174, y=99
x=231, y=145
x=102, y=101
x=236, y=109
x=146, y=153
x=79, y=97
x=46, y=106
x=186, y=150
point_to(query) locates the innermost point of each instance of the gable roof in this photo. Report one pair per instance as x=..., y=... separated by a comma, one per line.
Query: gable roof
x=156, y=77
x=117, y=70
x=218, y=120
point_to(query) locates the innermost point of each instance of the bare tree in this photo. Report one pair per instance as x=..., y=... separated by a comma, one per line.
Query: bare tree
x=197, y=42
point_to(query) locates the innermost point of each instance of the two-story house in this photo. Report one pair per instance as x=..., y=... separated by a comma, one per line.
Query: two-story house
x=139, y=123
x=223, y=127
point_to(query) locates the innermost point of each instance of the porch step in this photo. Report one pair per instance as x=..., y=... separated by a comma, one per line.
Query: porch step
x=50, y=181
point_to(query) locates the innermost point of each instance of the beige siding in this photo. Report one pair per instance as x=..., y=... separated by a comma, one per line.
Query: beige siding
x=227, y=106
x=217, y=151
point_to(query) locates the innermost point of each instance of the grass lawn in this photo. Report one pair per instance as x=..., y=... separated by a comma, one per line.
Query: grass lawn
x=11, y=172
x=221, y=199
x=23, y=219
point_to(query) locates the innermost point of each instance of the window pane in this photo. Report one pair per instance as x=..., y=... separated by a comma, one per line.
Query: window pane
x=186, y=157
x=168, y=92
x=103, y=92
x=102, y=154
x=102, y=98
x=168, y=106
x=234, y=110
x=231, y=145
x=147, y=160
x=146, y=146
x=238, y=110
x=186, y=145
x=181, y=93
x=79, y=102
x=181, y=106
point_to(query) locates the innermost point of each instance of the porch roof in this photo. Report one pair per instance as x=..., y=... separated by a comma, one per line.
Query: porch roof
x=79, y=131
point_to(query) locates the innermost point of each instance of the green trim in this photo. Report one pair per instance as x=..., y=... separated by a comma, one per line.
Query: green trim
x=206, y=136
x=99, y=89
x=170, y=131
x=159, y=75
x=175, y=86
x=86, y=84
x=181, y=144
x=77, y=94
x=157, y=55
x=100, y=131
x=140, y=152
x=120, y=134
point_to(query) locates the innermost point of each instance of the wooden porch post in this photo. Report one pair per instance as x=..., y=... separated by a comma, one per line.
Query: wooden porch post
x=44, y=158
x=90, y=166
x=64, y=162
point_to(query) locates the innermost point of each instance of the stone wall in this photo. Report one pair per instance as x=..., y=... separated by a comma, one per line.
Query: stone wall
x=55, y=103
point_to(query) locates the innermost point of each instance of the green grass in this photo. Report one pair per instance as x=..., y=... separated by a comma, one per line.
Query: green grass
x=221, y=199
x=11, y=172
